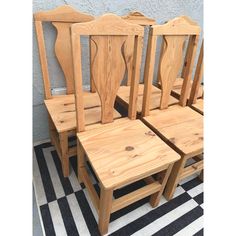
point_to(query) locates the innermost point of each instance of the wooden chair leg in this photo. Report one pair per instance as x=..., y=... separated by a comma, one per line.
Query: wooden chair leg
x=63, y=139
x=201, y=176
x=174, y=178
x=51, y=129
x=105, y=206
x=80, y=161
x=156, y=197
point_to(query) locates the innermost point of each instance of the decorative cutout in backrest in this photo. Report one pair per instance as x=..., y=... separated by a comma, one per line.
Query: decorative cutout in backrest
x=63, y=53
x=169, y=65
x=174, y=34
x=62, y=18
x=108, y=69
x=108, y=35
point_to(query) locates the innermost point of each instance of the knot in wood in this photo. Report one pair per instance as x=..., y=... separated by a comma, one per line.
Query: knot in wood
x=129, y=148
x=150, y=133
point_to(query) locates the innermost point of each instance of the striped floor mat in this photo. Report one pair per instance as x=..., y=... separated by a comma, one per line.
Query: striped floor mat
x=65, y=207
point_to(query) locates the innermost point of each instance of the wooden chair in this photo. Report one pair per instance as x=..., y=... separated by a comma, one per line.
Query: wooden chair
x=176, y=90
x=61, y=108
x=195, y=101
x=178, y=125
x=120, y=151
x=123, y=92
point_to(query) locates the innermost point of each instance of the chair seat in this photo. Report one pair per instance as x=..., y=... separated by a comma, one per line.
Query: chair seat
x=178, y=86
x=123, y=97
x=63, y=115
x=198, y=106
x=181, y=127
x=124, y=151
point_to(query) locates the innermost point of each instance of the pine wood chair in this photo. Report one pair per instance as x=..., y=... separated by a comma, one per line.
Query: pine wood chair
x=178, y=125
x=176, y=90
x=123, y=92
x=195, y=101
x=120, y=151
x=61, y=108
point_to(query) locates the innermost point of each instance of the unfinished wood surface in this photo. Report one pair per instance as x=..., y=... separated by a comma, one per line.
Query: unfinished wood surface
x=176, y=90
x=61, y=18
x=136, y=196
x=139, y=18
x=63, y=139
x=156, y=197
x=108, y=24
x=192, y=169
x=123, y=97
x=92, y=51
x=63, y=53
x=132, y=110
x=116, y=148
x=188, y=68
x=108, y=69
x=105, y=206
x=197, y=79
x=178, y=26
x=170, y=64
x=148, y=73
x=108, y=63
x=128, y=54
x=63, y=114
x=63, y=14
x=198, y=106
x=43, y=59
x=181, y=127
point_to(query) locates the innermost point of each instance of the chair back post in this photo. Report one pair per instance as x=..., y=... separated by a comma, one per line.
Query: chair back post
x=174, y=34
x=197, y=78
x=108, y=35
x=61, y=18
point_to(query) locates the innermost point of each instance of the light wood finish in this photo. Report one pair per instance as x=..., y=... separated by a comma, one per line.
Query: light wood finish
x=188, y=68
x=139, y=18
x=63, y=114
x=61, y=18
x=178, y=26
x=194, y=101
x=126, y=140
x=176, y=91
x=170, y=63
x=198, y=106
x=124, y=150
x=62, y=14
x=61, y=122
x=178, y=125
x=123, y=97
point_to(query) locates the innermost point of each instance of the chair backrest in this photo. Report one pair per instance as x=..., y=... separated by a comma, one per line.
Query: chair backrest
x=197, y=78
x=109, y=34
x=135, y=18
x=61, y=18
x=174, y=34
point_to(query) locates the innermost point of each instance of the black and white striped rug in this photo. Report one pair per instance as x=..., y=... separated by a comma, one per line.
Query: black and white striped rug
x=65, y=207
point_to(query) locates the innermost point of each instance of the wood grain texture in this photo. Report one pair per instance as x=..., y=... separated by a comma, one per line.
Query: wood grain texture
x=155, y=99
x=107, y=150
x=148, y=72
x=43, y=59
x=108, y=69
x=196, y=86
x=63, y=51
x=198, y=106
x=170, y=64
x=63, y=114
x=181, y=127
x=188, y=68
x=62, y=14
x=182, y=25
x=139, y=18
x=108, y=24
